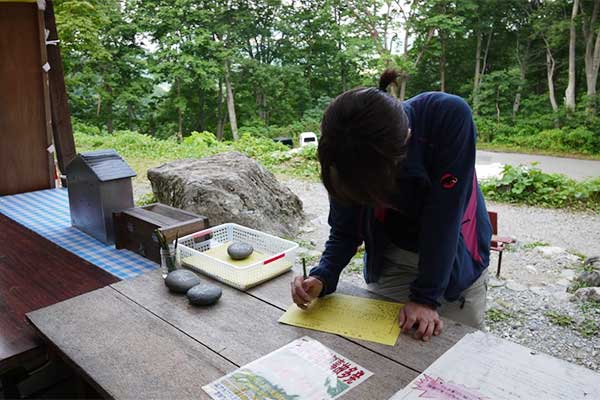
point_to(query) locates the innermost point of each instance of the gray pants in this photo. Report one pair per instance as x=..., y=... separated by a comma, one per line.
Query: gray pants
x=400, y=270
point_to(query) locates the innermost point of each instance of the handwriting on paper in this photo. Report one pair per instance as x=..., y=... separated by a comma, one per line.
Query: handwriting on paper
x=436, y=388
x=356, y=317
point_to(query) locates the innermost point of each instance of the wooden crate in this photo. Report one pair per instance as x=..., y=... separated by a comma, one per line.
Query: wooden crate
x=134, y=227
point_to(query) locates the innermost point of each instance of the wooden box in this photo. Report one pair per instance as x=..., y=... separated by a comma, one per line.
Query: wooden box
x=134, y=227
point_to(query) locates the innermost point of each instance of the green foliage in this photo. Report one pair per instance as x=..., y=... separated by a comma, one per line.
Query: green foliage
x=536, y=136
x=590, y=307
x=589, y=328
x=498, y=315
x=144, y=151
x=533, y=245
x=559, y=319
x=160, y=68
x=576, y=285
x=531, y=186
x=146, y=199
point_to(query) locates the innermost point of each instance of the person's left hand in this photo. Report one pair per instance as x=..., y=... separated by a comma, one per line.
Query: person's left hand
x=426, y=320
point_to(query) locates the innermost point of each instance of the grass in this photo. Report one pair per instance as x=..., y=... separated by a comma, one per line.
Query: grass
x=528, y=150
x=589, y=328
x=143, y=152
x=533, y=245
x=576, y=285
x=498, y=315
x=590, y=307
x=145, y=199
x=559, y=319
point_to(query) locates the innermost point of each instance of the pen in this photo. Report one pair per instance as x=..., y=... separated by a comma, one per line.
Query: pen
x=304, y=268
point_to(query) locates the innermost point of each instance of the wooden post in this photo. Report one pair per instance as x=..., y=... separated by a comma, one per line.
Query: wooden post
x=59, y=104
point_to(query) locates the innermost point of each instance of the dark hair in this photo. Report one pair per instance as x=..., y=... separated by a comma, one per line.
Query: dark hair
x=363, y=141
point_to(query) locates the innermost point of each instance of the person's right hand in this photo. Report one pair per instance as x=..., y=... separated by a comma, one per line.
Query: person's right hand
x=305, y=290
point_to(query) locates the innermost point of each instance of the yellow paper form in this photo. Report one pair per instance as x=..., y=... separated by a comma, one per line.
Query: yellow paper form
x=355, y=317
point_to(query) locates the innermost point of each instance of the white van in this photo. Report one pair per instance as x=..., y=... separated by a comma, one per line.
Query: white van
x=307, y=138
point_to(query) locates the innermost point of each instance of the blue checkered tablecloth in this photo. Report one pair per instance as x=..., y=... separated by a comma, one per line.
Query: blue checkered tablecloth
x=46, y=212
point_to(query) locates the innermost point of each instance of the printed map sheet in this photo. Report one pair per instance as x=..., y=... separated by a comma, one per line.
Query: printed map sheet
x=303, y=369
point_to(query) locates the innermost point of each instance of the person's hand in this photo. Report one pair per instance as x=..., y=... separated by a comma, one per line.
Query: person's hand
x=305, y=290
x=424, y=318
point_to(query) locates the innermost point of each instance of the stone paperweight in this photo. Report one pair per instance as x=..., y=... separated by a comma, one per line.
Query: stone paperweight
x=239, y=250
x=181, y=280
x=204, y=294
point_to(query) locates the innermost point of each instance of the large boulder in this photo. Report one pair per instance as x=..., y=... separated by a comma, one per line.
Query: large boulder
x=229, y=187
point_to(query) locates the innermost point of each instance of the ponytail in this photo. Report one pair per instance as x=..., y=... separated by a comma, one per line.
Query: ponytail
x=388, y=77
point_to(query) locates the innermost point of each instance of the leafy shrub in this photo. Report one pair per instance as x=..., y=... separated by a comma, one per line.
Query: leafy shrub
x=531, y=186
x=143, y=151
x=292, y=130
x=81, y=127
x=540, y=134
x=260, y=148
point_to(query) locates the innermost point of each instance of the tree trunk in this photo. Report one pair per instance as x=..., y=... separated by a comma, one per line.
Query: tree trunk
x=394, y=89
x=442, y=64
x=230, y=103
x=550, y=64
x=522, y=71
x=109, y=110
x=592, y=58
x=592, y=79
x=179, y=111
x=498, y=105
x=98, y=105
x=476, y=79
x=261, y=104
x=570, y=91
x=476, y=100
x=403, y=80
x=220, y=119
x=201, y=111
x=130, y=116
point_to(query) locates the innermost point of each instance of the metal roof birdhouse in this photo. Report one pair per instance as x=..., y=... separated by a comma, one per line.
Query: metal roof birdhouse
x=99, y=183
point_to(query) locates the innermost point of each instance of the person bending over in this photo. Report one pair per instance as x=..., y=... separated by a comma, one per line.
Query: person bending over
x=401, y=179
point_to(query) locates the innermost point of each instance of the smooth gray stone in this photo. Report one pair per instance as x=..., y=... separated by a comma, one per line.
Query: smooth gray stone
x=239, y=250
x=181, y=280
x=204, y=294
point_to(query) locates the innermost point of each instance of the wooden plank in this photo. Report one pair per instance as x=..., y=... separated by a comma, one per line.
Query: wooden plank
x=172, y=212
x=127, y=352
x=35, y=273
x=46, y=98
x=184, y=228
x=24, y=160
x=59, y=101
x=149, y=216
x=414, y=354
x=242, y=328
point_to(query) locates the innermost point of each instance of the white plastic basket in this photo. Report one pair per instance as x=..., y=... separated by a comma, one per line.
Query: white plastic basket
x=276, y=255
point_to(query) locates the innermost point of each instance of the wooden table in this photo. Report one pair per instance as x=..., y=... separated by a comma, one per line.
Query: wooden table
x=35, y=273
x=134, y=339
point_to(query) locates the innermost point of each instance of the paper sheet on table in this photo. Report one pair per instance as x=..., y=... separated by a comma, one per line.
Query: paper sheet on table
x=355, y=317
x=482, y=367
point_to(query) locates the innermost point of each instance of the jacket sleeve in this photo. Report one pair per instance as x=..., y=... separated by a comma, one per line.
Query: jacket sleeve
x=451, y=173
x=344, y=239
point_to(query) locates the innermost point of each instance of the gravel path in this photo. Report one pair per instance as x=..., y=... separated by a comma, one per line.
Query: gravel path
x=529, y=304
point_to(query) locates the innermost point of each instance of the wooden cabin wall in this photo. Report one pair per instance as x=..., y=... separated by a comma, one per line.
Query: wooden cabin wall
x=25, y=120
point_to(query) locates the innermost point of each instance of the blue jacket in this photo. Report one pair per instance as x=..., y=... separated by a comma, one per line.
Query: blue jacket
x=439, y=190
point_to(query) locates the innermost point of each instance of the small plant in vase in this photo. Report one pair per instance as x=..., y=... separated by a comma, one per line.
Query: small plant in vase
x=168, y=253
